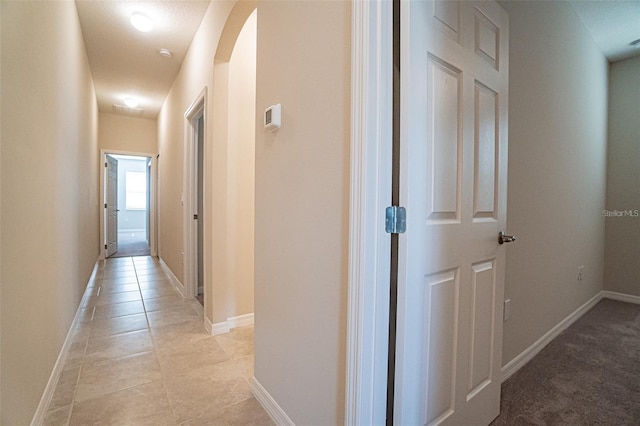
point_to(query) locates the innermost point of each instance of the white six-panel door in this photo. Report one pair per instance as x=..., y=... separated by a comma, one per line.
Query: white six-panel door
x=454, y=91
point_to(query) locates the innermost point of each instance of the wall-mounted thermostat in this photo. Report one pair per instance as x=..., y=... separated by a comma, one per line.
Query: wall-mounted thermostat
x=273, y=117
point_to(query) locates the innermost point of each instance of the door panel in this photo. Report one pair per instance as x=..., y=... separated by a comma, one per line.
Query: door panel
x=453, y=183
x=485, y=185
x=483, y=285
x=442, y=326
x=112, y=206
x=444, y=141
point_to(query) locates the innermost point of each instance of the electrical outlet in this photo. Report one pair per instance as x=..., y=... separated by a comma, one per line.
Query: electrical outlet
x=507, y=310
x=580, y=272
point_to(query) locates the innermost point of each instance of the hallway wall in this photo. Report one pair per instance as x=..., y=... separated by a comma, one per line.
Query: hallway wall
x=225, y=236
x=622, y=269
x=241, y=177
x=557, y=169
x=49, y=193
x=302, y=207
x=195, y=75
x=123, y=133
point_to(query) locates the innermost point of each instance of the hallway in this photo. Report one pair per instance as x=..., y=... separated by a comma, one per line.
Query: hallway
x=140, y=356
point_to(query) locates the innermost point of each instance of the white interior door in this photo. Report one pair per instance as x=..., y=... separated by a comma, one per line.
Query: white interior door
x=112, y=206
x=454, y=92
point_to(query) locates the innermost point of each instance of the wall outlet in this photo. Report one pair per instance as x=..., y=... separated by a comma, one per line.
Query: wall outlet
x=507, y=310
x=580, y=271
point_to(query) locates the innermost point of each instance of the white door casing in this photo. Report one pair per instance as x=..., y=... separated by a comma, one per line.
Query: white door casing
x=111, y=203
x=454, y=92
x=370, y=189
x=190, y=195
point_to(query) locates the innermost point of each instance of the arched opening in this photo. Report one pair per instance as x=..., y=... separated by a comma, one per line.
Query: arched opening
x=230, y=302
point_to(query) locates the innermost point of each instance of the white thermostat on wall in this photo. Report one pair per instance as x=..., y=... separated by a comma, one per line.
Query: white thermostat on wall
x=273, y=117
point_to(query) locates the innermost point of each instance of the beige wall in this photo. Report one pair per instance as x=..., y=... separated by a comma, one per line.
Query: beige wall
x=228, y=241
x=195, y=75
x=557, y=167
x=241, y=171
x=123, y=133
x=49, y=193
x=302, y=187
x=622, y=269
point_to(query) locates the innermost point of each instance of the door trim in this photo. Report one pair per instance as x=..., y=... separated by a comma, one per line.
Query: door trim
x=370, y=193
x=190, y=190
x=153, y=249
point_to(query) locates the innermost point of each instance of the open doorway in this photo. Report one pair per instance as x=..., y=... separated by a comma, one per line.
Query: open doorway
x=128, y=224
x=234, y=125
x=133, y=211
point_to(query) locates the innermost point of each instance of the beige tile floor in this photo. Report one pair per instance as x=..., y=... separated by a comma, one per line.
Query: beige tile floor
x=140, y=356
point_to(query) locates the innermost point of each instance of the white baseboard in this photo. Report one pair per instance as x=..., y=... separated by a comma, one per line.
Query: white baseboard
x=125, y=231
x=269, y=404
x=241, y=320
x=174, y=280
x=208, y=325
x=525, y=356
x=620, y=297
x=220, y=328
x=233, y=322
x=47, y=395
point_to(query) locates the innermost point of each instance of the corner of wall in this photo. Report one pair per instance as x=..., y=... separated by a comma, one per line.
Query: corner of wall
x=557, y=169
x=622, y=235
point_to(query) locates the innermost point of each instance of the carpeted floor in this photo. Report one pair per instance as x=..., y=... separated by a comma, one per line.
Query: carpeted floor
x=589, y=375
x=132, y=244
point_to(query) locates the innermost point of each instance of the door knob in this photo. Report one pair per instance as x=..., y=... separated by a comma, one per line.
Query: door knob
x=502, y=238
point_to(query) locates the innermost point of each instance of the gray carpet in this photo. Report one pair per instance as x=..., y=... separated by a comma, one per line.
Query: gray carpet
x=136, y=248
x=589, y=375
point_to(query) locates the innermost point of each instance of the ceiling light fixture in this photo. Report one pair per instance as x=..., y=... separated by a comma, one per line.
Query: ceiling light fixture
x=165, y=53
x=636, y=43
x=141, y=22
x=130, y=102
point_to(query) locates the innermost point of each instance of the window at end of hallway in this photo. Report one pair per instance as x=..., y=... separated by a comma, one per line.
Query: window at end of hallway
x=136, y=187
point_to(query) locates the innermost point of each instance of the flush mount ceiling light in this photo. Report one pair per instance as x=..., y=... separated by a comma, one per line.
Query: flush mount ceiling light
x=141, y=22
x=636, y=43
x=165, y=53
x=130, y=102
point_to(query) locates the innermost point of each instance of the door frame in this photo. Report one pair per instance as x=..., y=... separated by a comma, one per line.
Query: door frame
x=153, y=190
x=370, y=193
x=190, y=193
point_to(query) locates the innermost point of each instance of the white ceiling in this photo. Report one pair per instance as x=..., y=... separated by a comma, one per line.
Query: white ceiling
x=126, y=63
x=613, y=24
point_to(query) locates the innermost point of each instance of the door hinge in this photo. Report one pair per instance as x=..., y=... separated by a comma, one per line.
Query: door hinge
x=105, y=164
x=396, y=220
x=195, y=217
x=105, y=246
x=105, y=205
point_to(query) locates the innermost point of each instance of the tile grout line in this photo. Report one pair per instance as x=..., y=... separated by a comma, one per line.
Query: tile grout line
x=153, y=344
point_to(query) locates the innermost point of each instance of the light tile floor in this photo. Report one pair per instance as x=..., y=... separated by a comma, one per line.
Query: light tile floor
x=141, y=356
